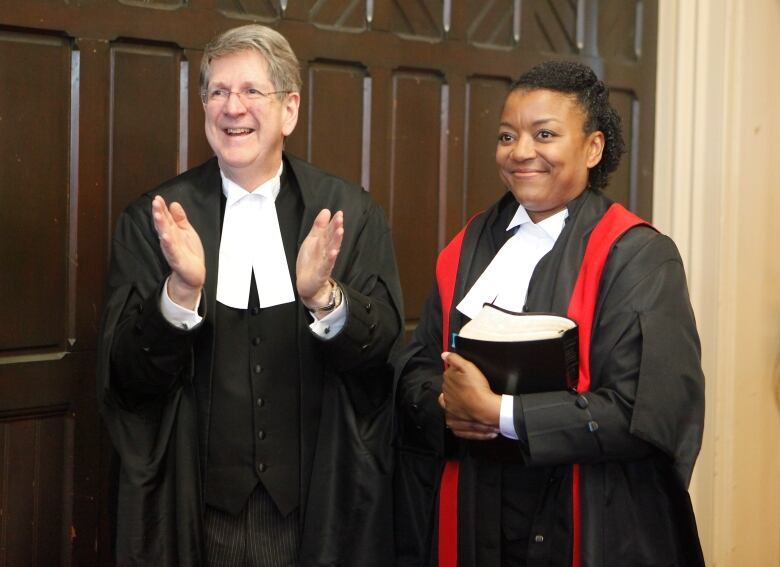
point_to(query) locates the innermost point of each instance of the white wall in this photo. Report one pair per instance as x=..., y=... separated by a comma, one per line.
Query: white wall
x=717, y=193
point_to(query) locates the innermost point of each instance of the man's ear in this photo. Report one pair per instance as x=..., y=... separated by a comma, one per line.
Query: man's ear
x=290, y=106
x=594, y=148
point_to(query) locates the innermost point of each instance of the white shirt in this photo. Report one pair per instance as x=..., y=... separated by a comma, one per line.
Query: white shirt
x=505, y=280
x=251, y=241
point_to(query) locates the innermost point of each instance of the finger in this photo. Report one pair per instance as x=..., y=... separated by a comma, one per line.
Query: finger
x=451, y=384
x=165, y=209
x=334, y=245
x=336, y=230
x=474, y=436
x=319, y=228
x=337, y=221
x=158, y=203
x=321, y=221
x=442, y=403
x=469, y=429
x=162, y=215
x=470, y=425
x=455, y=361
x=178, y=215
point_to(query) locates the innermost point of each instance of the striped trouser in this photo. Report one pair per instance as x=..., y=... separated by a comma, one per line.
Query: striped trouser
x=259, y=536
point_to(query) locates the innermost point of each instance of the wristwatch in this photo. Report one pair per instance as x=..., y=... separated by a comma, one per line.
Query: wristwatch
x=333, y=302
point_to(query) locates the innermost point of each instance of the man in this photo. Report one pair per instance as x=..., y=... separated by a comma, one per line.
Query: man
x=243, y=373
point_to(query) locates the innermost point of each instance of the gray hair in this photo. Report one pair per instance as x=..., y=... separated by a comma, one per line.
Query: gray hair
x=283, y=68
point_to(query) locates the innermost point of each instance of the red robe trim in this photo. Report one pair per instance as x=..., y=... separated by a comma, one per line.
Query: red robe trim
x=582, y=306
x=446, y=273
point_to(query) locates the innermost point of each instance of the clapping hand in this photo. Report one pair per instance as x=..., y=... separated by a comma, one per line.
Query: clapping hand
x=317, y=257
x=183, y=250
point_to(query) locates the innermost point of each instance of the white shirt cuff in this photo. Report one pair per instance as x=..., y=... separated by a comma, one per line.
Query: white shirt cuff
x=330, y=325
x=506, y=419
x=177, y=315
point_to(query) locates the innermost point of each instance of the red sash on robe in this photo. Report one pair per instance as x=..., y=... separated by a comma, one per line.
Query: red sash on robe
x=582, y=306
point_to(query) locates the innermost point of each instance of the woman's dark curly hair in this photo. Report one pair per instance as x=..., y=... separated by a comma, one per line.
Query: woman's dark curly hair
x=593, y=96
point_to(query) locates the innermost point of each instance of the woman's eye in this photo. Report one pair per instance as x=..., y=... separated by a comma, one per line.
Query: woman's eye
x=505, y=138
x=544, y=134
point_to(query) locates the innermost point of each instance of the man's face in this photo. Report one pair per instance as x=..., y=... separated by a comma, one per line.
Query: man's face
x=543, y=153
x=247, y=136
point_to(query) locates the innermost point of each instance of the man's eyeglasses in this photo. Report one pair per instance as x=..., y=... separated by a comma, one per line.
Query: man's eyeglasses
x=249, y=94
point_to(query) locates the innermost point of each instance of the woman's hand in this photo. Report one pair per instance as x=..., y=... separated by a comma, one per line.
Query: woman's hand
x=472, y=410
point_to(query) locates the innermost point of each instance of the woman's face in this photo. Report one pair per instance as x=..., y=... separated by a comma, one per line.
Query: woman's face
x=543, y=153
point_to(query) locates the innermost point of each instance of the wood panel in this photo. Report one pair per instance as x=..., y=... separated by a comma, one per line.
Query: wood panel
x=482, y=186
x=623, y=182
x=493, y=24
x=198, y=149
x=90, y=171
x=266, y=11
x=550, y=26
x=336, y=135
x=145, y=116
x=629, y=69
x=32, y=463
x=160, y=4
x=419, y=19
x=34, y=186
x=338, y=15
x=621, y=28
x=414, y=180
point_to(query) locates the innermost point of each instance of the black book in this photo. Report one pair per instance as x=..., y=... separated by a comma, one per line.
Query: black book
x=519, y=353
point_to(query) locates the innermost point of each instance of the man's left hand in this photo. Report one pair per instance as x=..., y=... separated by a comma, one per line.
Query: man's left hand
x=317, y=257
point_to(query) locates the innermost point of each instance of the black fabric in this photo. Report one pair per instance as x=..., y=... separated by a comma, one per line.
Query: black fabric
x=154, y=383
x=254, y=426
x=646, y=401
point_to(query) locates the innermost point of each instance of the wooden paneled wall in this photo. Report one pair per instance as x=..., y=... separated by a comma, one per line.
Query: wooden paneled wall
x=99, y=103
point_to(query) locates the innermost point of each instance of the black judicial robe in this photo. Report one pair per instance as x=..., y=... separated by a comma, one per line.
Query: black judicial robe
x=345, y=393
x=646, y=397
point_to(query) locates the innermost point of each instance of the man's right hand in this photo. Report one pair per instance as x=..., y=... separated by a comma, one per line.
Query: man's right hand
x=183, y=250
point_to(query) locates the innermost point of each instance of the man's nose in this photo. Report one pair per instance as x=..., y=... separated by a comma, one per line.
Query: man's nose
x=234, y=104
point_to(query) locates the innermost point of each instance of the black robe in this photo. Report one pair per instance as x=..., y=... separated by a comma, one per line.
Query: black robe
x=159, y=429
x=646, y=398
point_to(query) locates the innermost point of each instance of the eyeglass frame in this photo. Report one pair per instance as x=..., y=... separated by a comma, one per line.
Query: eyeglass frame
x=204, y=95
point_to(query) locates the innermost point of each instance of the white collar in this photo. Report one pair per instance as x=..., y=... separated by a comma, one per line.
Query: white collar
x=234, y=192
x=552, y=225
x=505, y=280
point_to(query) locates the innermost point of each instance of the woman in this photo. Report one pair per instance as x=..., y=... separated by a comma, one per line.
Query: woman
x=600, y=472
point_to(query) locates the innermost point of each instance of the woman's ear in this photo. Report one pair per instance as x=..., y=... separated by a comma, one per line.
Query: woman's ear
x=594, y=148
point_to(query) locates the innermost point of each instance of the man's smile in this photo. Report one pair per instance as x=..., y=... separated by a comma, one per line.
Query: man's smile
x=238, y=131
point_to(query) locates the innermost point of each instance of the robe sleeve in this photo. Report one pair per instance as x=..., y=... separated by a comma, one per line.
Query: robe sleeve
x=421, y=425
x=142, y=359
x=368, y=276
x=647, y=392
x=147, y=356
